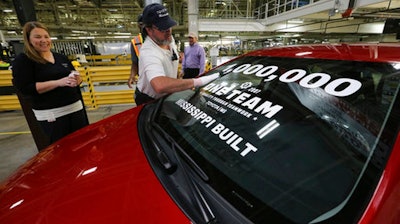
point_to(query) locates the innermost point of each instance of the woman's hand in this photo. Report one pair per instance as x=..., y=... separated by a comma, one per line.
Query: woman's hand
x=68, y=81
x=74, y=79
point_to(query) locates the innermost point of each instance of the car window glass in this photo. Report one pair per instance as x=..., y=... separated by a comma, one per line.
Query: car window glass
x=294, y=134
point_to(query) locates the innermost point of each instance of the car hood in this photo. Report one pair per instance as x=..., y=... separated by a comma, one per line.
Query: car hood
x=98, y=174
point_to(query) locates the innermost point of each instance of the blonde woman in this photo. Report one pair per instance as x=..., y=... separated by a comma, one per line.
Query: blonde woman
x=51, y=82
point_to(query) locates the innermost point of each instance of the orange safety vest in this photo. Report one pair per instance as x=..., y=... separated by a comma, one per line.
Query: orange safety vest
x=137, y=42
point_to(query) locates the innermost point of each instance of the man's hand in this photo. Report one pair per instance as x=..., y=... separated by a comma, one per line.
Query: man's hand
x=132, y=80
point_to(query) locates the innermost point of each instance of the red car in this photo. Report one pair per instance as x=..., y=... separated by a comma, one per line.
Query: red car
x=295, y=134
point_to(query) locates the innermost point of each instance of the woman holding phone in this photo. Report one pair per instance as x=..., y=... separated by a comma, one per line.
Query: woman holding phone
x=51, y=82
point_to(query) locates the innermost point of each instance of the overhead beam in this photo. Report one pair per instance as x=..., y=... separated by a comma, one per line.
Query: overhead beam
x=316, y=7
x=346, y=25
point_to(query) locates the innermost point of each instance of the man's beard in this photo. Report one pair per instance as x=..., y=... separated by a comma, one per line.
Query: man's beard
x=163, y=42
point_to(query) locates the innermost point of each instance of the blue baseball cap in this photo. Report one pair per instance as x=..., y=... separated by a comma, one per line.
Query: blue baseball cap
x=157, y=15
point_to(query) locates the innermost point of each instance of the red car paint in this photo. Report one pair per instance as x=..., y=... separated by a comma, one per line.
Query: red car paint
x=95, y=175
x=365, y=52
x=384, y=206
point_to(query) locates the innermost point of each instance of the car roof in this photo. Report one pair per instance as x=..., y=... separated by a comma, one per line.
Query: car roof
x=373, y=52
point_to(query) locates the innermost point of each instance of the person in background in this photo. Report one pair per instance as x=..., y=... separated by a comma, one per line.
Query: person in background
x=193, y=62
x=136, y=43
x=158, y=61
x=51, y=82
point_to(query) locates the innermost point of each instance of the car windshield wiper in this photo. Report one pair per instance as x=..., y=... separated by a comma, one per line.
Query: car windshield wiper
x=182, y=153
x=170, y=167
x=162, y=156
x=197, y=196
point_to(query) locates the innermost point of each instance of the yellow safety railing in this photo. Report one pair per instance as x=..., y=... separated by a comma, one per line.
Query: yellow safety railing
x=5, y=78
x=106, y=60
x=7, y=102
x=94, y=78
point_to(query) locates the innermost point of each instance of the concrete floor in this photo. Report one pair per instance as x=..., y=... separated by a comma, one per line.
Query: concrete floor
x=16, y=141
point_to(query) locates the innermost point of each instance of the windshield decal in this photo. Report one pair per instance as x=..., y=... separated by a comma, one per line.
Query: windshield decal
x=195, y=112
x=340, y=87
x=232, y=139
x=241, y=98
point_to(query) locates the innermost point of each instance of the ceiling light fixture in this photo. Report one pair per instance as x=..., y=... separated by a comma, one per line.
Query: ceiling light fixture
x=296, y=21
x=119, y=33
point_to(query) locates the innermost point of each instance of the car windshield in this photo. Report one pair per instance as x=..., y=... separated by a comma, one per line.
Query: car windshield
x=291, y=135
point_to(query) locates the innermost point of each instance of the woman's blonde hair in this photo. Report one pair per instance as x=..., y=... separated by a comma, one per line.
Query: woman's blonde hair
x=28, y=48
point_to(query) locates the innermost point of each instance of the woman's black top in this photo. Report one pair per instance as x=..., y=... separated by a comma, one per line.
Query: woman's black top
x=27, y=72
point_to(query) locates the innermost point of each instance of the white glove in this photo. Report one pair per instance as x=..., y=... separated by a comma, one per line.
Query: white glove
x=205, y=79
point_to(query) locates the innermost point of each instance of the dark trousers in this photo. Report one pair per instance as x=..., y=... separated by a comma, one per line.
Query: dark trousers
x=141, y=98
x=64, y=125
x=189, y=73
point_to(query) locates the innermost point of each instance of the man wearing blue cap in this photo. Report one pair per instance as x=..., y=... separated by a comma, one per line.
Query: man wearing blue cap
x=158, y=61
